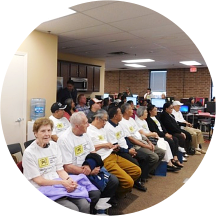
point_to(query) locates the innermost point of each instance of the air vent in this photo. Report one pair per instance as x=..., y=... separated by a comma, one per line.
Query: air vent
x=118, y=53
x=123, y=68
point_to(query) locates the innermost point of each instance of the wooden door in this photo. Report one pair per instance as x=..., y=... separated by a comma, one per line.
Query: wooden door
x=90, y=76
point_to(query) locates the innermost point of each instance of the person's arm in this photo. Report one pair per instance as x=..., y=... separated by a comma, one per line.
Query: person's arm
x=139, y=143
x=70, y=168
x=103, y=145
x=67, y=182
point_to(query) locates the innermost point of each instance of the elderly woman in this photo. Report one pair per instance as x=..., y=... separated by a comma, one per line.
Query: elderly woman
x=42, y=163
x=155, y=125
x=154, y=137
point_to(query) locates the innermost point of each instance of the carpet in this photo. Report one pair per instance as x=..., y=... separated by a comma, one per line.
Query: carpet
x=123, y=203
x=158, y=187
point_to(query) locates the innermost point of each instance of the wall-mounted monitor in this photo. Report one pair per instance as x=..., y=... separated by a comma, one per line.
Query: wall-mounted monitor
x=158, y=102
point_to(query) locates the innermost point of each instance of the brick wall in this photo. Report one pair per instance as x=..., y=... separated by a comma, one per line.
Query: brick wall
x=180, y=82
x=118, y=81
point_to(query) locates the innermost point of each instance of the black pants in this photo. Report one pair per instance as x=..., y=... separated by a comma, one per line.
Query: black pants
x=94, y=195
x=111, y=187
x=141, y=160
x=174, y=144
x=184, y=143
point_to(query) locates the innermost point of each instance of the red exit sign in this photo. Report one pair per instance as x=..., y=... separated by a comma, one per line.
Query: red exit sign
x=193, y=69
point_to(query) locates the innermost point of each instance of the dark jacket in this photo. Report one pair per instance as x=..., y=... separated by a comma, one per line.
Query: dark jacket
x=64, y=94
x=170, y=123
x=154, y=128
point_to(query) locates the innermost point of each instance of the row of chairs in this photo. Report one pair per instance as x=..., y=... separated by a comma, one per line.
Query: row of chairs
x=16, y=147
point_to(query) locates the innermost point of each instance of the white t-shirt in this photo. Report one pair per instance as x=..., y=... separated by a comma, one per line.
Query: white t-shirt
x=98, y=136
x=148, y=96
x=38, y=161
x=143, y=124
x=60, y=125
x=178, y=117
x=116, y=135
x=131, y=128
x=74, y=148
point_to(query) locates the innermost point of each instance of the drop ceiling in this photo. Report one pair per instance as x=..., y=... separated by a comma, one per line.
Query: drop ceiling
x=101, y=28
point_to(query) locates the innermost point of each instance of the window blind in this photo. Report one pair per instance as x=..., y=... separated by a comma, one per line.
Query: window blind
x=158, y=81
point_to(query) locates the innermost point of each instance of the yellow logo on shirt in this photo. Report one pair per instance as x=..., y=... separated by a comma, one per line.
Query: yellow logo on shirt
x=118, y=135
x=43, y=162
x=101, y=137
x=144, y=126
x=60, y=125
x=131, y=129
x=78, y=150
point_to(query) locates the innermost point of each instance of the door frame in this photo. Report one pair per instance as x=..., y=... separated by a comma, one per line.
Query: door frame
x=24, y=96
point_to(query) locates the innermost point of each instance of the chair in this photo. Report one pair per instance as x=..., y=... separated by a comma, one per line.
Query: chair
x=15, y=148
x=27, y=143
x=205, y=123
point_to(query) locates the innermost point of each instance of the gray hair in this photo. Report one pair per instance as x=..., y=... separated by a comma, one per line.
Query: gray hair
x=77, y=118
x=125, y=107
x=140, y=111
x=100, y=114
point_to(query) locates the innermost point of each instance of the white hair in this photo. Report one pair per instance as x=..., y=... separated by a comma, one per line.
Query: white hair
x=77, y=118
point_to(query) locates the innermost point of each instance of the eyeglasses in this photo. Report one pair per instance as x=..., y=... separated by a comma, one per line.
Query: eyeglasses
x=104, y=120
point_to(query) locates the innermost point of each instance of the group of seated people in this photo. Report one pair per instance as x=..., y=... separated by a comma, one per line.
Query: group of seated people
x=86, y=158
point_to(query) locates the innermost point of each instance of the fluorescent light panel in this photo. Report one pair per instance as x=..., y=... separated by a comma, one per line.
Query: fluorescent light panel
x=135, y=65
x=190, y=63
x=138, y=60
x=62, y=13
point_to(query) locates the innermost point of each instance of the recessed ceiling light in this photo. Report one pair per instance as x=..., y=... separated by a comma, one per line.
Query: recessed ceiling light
x=190, y=63
x=138, y=60
x=135, y=65
x=62, y=13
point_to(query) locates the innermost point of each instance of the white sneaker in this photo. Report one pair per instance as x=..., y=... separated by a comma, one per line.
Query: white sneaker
x=186, y=155
x=184, y=159
x=181, y=149
x=197, y=153
x=201, y=150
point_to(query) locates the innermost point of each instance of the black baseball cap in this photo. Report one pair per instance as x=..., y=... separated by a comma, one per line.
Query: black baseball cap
x=57, y=106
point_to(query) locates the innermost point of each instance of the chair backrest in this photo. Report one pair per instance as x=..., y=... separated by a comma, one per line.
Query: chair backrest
x=15, y=148
x=27, y=143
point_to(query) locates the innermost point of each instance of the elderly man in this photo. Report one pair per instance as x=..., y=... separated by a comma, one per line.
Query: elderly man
x=140, y=141
x=126, y=171
x=76, y=146
x=60, y=122
x=196, y=134
x=116, y=135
